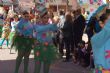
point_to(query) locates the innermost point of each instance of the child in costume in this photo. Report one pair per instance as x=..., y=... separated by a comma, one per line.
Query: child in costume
x=93, y=24
x=103, y=19
x=5, y=34
x=94, y=27
x=100, y=45
x=23, y=41
x=44, y=51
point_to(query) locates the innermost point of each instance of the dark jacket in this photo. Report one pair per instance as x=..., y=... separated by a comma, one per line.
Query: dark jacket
x=79, y=25
x=93, y=26
x=68, y=29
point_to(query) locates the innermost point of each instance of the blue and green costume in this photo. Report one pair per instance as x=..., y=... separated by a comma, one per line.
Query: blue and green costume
x=23, y=39
x=45, y=50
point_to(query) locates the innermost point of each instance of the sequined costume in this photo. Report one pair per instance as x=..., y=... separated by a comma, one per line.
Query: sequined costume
x=23, y=39
x=45, y=50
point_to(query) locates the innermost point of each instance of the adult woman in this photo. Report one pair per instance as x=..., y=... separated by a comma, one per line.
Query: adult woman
x=68, y=36
x=23, y=41
x=79, y=25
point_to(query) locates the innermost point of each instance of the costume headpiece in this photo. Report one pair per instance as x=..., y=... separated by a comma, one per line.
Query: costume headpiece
x=41, y=9
x=99, y=9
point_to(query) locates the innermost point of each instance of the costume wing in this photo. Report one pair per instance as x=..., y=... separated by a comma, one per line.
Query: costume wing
x=25, y=28
x=101, y=47
x=44, y=33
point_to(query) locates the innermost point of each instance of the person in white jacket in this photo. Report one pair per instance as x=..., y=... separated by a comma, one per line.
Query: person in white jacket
x=13, y=27
x=62, y=20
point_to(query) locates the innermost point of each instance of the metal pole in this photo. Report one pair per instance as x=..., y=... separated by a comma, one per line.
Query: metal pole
x=55, y=1
x=57, y=7
x=67, y=5
x=12, y=8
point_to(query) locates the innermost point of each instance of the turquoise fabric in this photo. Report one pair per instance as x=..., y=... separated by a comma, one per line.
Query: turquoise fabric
x=23, y=39
x=96, y=11
x=44, y=33
x=45, y=50
x=101, y=47
x=97, y=27
x=100, y=8
x=25, y=28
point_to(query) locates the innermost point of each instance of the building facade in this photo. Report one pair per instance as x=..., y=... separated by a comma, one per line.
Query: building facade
x=62, y=4
x=55, y=5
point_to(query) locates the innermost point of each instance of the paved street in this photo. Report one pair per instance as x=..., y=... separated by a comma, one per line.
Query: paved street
x=7, y=64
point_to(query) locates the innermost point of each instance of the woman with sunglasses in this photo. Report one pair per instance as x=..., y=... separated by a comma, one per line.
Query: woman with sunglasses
x=23, y=41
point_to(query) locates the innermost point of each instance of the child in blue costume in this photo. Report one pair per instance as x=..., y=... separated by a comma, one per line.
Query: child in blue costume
x=23, y=41
x=44, y=51
x=93, y=24
x=101, y=47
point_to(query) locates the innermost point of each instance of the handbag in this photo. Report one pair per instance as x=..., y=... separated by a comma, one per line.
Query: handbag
x=85, y=36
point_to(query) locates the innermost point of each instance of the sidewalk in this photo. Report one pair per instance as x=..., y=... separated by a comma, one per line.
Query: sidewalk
x=7, y=64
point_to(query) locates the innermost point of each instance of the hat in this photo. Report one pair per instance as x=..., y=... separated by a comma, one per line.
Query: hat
x=41, y=9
